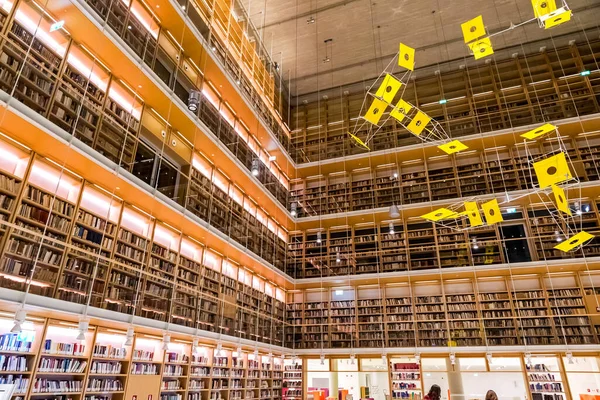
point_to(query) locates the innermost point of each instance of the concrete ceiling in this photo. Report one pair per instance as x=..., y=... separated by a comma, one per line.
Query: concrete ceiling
x=366, y=33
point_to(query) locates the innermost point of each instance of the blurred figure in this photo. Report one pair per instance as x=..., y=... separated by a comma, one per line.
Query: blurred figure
x=434, y=393
x=491, y=395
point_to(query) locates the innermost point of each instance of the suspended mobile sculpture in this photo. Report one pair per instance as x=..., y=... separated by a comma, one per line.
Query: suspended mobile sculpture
x=383, y=106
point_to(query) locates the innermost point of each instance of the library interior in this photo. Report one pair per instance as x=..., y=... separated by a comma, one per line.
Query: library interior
x=299, y=200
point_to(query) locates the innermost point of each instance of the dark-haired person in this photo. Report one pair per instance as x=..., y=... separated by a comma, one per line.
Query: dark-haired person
x=435, y=393
x=491, y=395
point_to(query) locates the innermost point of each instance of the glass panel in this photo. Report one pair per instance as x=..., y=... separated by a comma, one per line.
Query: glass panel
x=471, y=364
x=506, y=364
x=433, y=364
x=315, y=365
x=143, y=166
x=474, y=385
x=344, y=364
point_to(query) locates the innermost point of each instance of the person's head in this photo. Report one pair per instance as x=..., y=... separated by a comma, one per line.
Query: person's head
x=491, y=395
x=435, y=392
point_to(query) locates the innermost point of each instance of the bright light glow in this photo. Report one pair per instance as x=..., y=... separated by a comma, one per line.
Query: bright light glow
x=585, y=73
x=136, y=223
x=136, y=13
x=100, y=205
x=55, y=332
x=57, y=25
x=511, y=210
x=257, y=283
x=20, y=279
x=35, y=28
x=166, y=238
x=212, y=261
x=443, y=101
x=86, y=71
x=189, y=250
x=202, y=166
x=126, y=104
x=339, y=292
x=51, y=180
x=11, y=162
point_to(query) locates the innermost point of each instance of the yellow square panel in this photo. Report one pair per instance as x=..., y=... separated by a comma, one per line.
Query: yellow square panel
x=556, y=18
x=574, y=241
x=473, y=29
x=359, y=141
x=453, y=147
x=482, y=48
x=406, y=57
x=473, y=214
x=375, y=111
x=537, y=132
x=560, y=198
x=388, y=88
x=543, y=7
x=439, y=214
x=418, y=123
x=492, y=213
x=401, y=109
x=552, y=170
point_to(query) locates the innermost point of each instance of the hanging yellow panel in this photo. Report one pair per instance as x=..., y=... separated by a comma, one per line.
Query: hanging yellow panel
x=560, y=198
x=543, y=7
x=453, y=147
x=472, y=213
x=473, y=29
x=375, y=111
x=537, y=132
x=482, y=48
x=556, y=18
x=401, y=109
x=359, y=141
x=439, y=214
x=418, y=123
x=491, y=211
x=552, y=170
x=388, y=88
x=574, y=241
x=406, y=57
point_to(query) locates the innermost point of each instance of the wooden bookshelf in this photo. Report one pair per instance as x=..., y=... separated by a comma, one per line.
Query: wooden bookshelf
x=88, y=246
x=119, y=126
x=63, y=364
x=93, y=239
x=47, y=362
x=545, y=379
x=292, y=379
x=464, y=99
x=79, y=98
x=421, y=245
x=490, y=311
x=67, y=84
x=19, y=353
x=34, y=250
x=405, y=378
x=399, y=316
x=473, y=173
